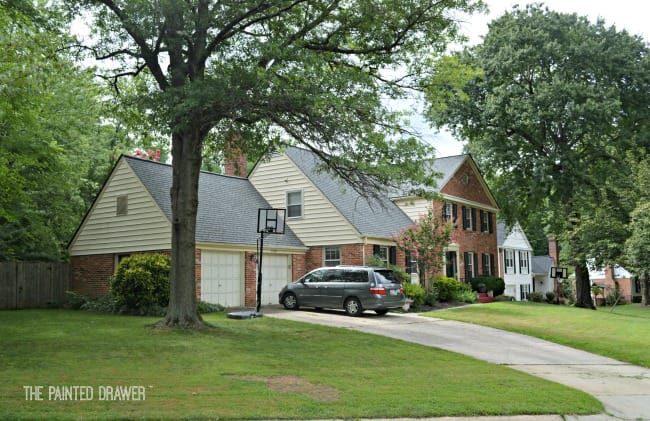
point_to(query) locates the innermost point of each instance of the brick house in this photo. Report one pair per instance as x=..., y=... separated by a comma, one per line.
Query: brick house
x=612, y=277
x=333, y=220
x=465, y=200
x=132, y=214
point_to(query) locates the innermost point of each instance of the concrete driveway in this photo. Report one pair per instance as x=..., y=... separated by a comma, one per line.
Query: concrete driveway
x=624, y=389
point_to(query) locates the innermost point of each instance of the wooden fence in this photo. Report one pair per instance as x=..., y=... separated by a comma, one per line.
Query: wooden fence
x=33, y=284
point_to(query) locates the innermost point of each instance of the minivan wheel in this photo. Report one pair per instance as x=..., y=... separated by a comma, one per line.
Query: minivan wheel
x=289, y=301
x=353, y=307
x=381, y=311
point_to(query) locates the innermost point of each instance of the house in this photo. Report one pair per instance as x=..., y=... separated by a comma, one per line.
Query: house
x=337, y=224
x=541, y=269
x=515, y=260
x=132, y=214
x=328, y=223
x=611, y=277
x=465, y=200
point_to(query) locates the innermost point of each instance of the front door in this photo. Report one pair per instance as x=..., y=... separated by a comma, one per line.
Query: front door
x=451, y=259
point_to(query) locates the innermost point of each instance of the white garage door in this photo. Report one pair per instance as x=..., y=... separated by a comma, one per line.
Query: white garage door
x=221, y=278
x=276, y=273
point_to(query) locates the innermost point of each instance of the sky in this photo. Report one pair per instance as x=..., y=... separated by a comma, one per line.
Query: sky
x=631, y=15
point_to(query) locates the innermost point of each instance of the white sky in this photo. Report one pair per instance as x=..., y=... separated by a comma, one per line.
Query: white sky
x=631, y=15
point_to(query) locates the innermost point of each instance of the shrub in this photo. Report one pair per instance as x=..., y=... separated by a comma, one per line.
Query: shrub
x=492, y=283
x=102, y=304
x=535, y=297
x=446, y=288
x=415, y=292
x=431, y=298
x=465, y=294
x=550, y=296
x=141, y=283
x=205, y=308
x=614, y=296
x=504, y=298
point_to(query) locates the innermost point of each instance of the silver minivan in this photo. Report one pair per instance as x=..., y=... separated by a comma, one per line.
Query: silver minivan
x=352, y=288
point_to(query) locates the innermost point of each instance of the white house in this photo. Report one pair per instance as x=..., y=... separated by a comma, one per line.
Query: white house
x=515, y=265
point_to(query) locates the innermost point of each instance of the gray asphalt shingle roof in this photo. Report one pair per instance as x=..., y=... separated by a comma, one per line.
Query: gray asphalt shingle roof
x=541, y=264
x=227, y=210
x=370, y=217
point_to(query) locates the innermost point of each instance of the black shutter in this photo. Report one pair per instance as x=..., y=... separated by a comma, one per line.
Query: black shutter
x=466, y=261
x=519, y=261
x=476, y=263
x=490, y=222
x=464, y=218
x=482, y=219
x=392, y=255
x=444, y=211
x=375, y=250
x=454, y=210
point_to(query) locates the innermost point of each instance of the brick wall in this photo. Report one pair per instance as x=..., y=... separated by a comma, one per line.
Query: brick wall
x=91, y=275
x=250, y=279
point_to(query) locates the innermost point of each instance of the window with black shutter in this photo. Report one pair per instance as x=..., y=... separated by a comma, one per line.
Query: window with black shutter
x=392, y=255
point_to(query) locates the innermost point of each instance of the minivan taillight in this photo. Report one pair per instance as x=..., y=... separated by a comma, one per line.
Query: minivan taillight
x=378, y=290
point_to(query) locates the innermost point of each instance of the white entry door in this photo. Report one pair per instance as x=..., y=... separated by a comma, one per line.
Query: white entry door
x=222, y=278
x=276, y=273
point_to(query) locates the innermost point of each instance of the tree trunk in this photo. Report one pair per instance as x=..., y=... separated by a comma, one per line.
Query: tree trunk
x=186, y=154
x=645, y=288
x=583, y=289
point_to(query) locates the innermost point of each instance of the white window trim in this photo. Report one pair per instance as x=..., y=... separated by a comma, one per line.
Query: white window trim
x=325, y=260
x=511, y=261
x=381, y=250
x=302, y=204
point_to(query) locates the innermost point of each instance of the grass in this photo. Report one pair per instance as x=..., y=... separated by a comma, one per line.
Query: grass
x=233, y=370
x=623, y=334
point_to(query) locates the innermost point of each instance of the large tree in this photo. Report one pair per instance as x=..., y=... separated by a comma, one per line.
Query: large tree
x=257, y=73
x=550, y=103
x=53, y=144
x=638, y=245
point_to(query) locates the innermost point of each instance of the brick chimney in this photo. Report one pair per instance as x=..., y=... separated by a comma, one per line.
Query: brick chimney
x=236, y=161
x=554, y=250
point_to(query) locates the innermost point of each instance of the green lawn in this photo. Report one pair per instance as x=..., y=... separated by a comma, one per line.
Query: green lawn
x=623, y=334
x=252, y=369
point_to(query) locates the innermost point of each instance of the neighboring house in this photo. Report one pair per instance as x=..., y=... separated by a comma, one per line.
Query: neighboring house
x=612, y=277
x=132, y=214
x=333, y=220
x=466, y=201
x=515, y=261
x=541, y=268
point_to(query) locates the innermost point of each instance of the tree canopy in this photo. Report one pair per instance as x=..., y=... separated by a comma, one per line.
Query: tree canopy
x=265, y=74
x=551, y=104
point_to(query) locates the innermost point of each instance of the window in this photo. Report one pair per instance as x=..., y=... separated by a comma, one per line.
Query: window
x=122, y=207
x=488, y=264
x=294, y=204
x=332, y=256
x=471, y=263
x=523, y=262
x=510, y=261
x=486, y=221
x=382, y=253
x=469, y=219
x=449, y=211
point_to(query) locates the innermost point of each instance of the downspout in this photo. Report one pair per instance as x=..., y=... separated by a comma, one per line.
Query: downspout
x=363, y=251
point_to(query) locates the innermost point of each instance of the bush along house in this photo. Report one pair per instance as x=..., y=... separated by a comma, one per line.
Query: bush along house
x=466, y=202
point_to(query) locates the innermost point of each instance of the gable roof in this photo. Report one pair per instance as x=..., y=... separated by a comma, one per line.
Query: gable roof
x=228, y=205
x=370, y=217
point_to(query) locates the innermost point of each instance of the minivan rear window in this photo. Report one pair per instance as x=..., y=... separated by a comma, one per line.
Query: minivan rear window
x=386, y=277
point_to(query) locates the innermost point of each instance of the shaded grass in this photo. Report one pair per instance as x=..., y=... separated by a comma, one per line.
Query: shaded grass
x=206, y=374
x=623, y=334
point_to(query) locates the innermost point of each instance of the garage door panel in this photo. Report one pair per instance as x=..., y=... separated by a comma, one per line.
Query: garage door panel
x=221, y=278
x=276, y=273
